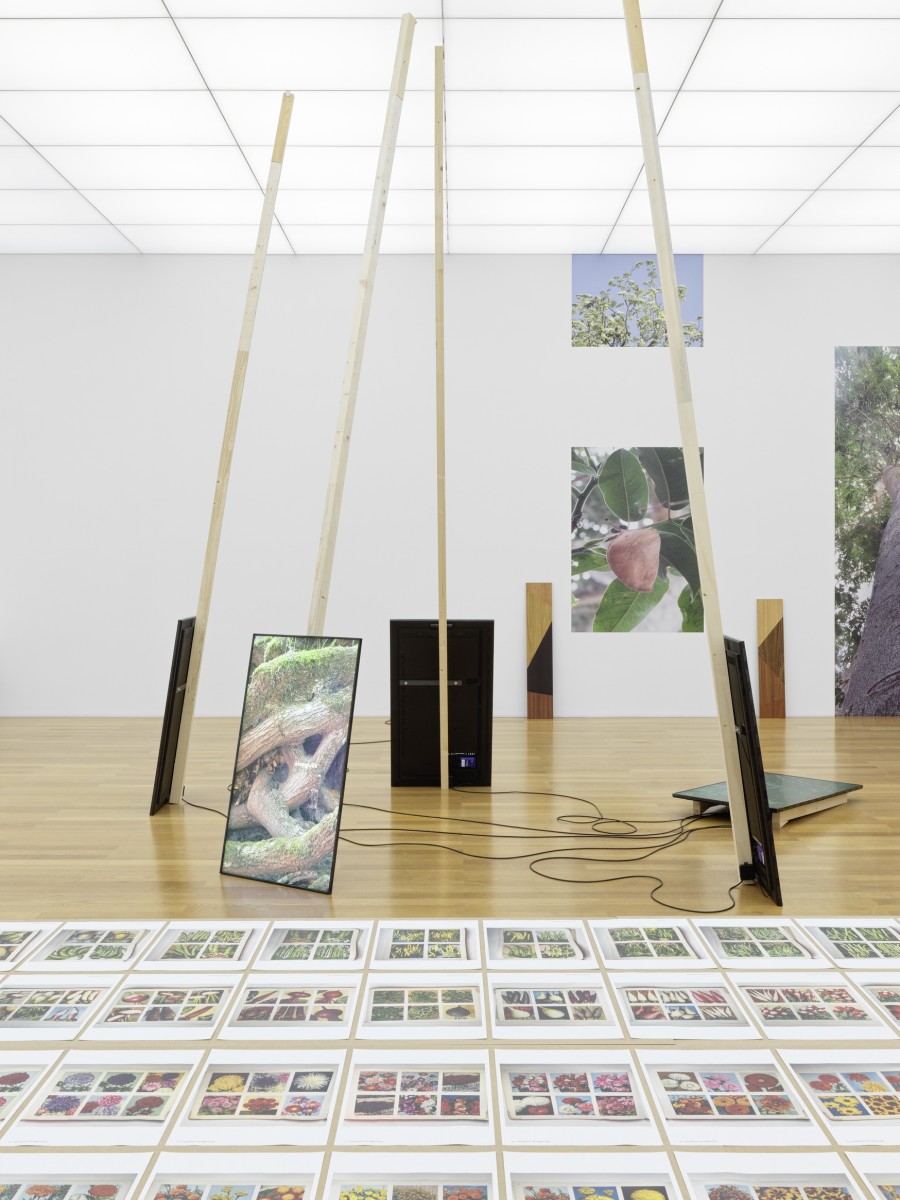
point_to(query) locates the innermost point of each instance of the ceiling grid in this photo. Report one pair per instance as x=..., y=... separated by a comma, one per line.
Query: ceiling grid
x=146, y=125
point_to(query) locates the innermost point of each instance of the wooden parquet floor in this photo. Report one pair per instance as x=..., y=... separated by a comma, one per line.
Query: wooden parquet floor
x=77, y=840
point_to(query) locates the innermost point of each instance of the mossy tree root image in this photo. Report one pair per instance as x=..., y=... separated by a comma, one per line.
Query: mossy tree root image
x=867, y=531
x=291, y=760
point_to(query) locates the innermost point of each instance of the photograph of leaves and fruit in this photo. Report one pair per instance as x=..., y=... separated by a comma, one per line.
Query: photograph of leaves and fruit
x=634, y=562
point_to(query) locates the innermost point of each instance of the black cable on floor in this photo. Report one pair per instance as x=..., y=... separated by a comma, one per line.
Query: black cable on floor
x=667, y=838
x=205, y=807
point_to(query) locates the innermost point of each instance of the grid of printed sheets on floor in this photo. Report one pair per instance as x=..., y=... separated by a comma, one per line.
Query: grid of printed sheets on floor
x=435, y=1059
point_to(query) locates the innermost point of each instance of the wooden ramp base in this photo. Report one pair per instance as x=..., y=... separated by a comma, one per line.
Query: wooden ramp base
x=790, y=796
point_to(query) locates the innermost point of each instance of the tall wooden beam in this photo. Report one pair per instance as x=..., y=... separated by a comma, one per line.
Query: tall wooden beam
x=443, y=688
x=228, y=439
x=712, y=615
x=341, y=449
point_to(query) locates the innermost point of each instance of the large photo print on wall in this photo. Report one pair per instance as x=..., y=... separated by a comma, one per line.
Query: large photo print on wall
x=867, y=531
x=285, y=810
x=634, y=562
x=617, y=300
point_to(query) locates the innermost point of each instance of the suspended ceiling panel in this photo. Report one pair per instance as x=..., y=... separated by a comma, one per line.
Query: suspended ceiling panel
x=145, y=126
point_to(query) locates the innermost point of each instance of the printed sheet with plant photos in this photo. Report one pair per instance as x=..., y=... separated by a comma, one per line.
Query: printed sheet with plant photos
x=48, y=1008
x=639, y=944
x=809, y=1006
x=228, y=1188
x=106, y=946
x=850, y=1092
x=433, y=1093
x=19, y=1074
x=268, y=1092
x=532, y=943
x=234, y=1175
x=204, y=945
x=396, y=1008
x=698, y=1007
x=432, y=943
x=885, y=995
x=756, y=945
x=587, y=1187
x=18, y=940
x=773, y=1188
x=149, y=1007
x=409, y=1189
x=92, y=1184
x=309, y=944
x=558, y=1008
x=888, y=1187
x=881, y=1171
x=271, y=1009
x=749, y=1092
x=856, y=944
x=567, y=1092
x=136, y=1092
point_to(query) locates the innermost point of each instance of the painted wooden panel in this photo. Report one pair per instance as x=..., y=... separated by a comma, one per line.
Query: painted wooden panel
x=539, y=648
x=770, y=635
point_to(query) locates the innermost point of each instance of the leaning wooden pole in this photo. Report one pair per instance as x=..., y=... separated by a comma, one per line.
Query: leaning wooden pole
x=341, y=449
x=712, y=615
x=443, y=688
x=228, y=439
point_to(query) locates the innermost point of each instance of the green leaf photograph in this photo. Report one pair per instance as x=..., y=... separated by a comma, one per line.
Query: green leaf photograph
x=634, y=562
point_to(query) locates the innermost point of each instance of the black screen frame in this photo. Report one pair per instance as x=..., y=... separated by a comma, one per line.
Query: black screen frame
x=340, y=807
x=171, y=726
x=764, y=865
x=409, y=770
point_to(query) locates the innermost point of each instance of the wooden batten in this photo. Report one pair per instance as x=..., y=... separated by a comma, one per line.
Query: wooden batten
x=687, y=424
x=443, y=684
x=228, y=439
x=359, y=324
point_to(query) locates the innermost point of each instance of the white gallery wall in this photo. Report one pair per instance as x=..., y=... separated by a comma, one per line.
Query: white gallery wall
x=115, y=378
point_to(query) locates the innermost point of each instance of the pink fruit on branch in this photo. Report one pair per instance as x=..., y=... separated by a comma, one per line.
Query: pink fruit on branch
x=633, y=557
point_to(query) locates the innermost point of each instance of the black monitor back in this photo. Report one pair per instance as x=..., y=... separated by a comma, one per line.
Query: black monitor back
x=415, y=733
x=756, y=799
x=168, y=742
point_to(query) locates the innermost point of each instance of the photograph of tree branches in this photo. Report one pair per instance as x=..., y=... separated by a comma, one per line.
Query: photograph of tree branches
x=284, y=815
x=867, y=531
x=634, y=562
x=617, y=300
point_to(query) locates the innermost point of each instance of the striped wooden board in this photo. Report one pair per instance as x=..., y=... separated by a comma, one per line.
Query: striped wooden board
x=770, y=635
x=539, y=648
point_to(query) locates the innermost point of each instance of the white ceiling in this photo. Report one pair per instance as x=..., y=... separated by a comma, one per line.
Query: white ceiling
x=146, y=125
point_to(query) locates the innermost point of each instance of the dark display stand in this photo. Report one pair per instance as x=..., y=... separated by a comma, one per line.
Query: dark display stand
x=764, y=868
x=790, y=796
x=415, y=738
x=765, y=796
x=168, y=742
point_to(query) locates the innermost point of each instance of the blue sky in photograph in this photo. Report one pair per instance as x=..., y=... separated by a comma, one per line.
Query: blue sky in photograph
x=591, y=274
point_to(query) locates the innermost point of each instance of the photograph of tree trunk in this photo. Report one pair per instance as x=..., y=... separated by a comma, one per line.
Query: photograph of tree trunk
x=867, y=531
x=634, y=562
x=285, y=809
x=617, y=300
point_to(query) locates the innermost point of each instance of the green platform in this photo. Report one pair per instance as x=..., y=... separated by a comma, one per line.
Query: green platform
x=790, y=796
